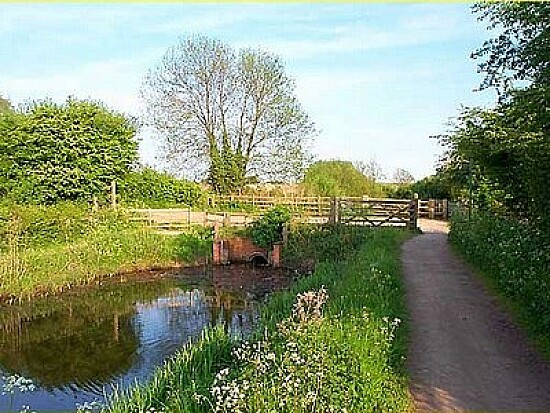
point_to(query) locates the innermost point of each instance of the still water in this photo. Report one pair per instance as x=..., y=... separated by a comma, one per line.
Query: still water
x=76, y=347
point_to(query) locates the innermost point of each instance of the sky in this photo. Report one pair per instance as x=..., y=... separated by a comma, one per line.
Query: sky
x=377, y=79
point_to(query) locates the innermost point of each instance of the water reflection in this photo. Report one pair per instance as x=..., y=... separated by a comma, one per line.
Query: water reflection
x=76, y=347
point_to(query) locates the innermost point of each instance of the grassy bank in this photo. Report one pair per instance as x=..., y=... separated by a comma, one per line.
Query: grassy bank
x=514, y=259
x=45, y=250
x=334, y=342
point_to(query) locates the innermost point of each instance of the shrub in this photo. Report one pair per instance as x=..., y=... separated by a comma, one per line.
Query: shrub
x=194, y=244
x=51, y=152
x=267, y=230
x=149, y=188
x=339, y=178
x=514, y=257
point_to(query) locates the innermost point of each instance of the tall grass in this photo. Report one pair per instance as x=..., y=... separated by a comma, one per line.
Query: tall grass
x=175, y=386
x=349, y=358
x=49, y=249
x=515, y=258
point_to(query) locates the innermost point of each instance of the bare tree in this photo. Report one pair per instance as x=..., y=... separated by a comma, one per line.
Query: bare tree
x=227, y=115
x=402, y=176
x=371, y=169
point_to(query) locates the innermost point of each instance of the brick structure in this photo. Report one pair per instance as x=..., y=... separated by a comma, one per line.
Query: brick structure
x=241, y=250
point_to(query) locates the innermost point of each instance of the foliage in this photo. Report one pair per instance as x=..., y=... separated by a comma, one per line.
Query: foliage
x=313, y=244
x=194, y=244
x=508, y=155
x=339, y=178
x=514, y=258
x=267, y=230
x=37, y=226
x=149, y=188
x=51, y=152
x=506, y=150
x=227, y=114
x=315, y=364
x=437, y=186
x=520, y=50
x=353, y=350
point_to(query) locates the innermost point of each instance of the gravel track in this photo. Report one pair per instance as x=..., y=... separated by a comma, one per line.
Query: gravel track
x=465, y=353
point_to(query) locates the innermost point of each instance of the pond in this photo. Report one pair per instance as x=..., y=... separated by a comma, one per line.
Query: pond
x=77, y=346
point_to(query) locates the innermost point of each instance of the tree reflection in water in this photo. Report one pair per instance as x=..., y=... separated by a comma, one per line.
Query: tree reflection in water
x=76, y=346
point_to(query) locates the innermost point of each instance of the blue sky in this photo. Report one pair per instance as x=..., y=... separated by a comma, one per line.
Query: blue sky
x=377, y=79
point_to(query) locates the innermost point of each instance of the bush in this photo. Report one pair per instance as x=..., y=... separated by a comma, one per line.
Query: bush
x=51, y=152
x=309, y=243
x=149, y=188
x=194, y=244
x=267, y=230
x=514, y=258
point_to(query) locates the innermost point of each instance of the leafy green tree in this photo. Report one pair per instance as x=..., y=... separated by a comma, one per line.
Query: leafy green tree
x=506, y=150
x=51, y=152
x=339, y=178
x=227, y=114
x=520, y=51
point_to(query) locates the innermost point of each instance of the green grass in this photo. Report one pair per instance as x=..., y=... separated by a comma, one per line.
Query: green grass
x=173, y=387
x=352, y=357
x=514, y=259
x=49, y=249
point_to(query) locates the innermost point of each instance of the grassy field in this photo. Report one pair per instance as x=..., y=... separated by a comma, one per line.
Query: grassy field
x=514, y=258
x=45, y=250
x=335, y=342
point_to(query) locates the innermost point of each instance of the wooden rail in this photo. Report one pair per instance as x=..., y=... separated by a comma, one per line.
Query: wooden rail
x=434, y=209
x=357, y=211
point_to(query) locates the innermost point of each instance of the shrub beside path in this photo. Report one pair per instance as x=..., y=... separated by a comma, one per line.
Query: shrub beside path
x=465, y=353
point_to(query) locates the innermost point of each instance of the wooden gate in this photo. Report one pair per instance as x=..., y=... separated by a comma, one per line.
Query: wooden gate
x=375, y=212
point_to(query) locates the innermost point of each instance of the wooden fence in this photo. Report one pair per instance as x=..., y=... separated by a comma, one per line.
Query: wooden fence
x=375, y=212
x=242, y=210
x=434, y=209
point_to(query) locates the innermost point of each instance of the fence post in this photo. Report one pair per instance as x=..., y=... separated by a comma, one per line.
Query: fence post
x=413, y=213
x=332, y=216
x=445, y=209
x=113, y=194
x=431, y=208
x=284, y=235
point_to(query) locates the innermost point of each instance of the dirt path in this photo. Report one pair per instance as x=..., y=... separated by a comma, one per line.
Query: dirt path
x=465, y=353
